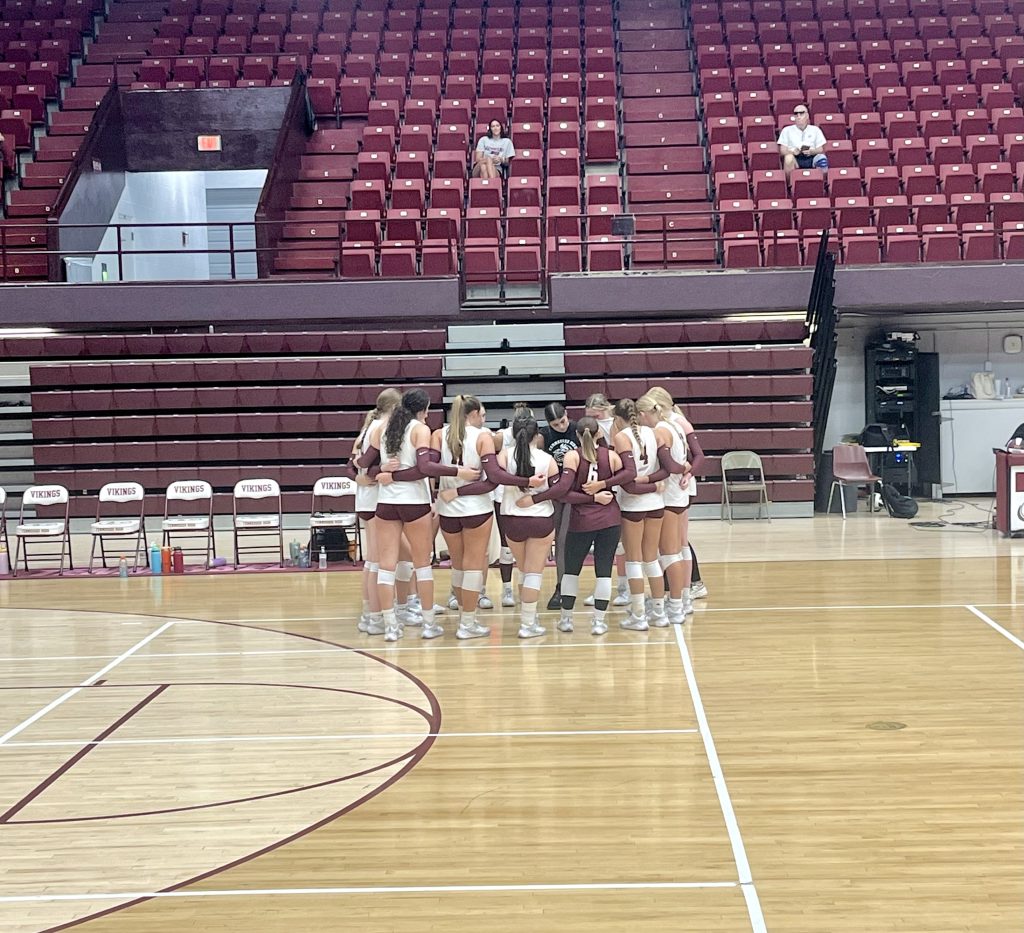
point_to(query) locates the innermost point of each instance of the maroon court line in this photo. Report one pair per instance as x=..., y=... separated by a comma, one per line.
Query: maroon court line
x=80, y=754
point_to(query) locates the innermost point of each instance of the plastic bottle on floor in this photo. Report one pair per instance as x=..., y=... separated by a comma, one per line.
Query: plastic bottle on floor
x=322, y=563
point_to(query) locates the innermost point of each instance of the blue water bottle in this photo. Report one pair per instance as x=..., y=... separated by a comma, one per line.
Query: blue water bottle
x=154, y=559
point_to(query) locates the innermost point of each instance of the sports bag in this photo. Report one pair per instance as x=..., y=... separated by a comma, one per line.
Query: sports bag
x=876, y=435
x=897, y=505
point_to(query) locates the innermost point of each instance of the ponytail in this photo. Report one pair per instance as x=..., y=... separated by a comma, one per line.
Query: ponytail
x=413, y=402
x=626, y=410
x=462, y=406
x=587, y=431
x=387, y=401
x=524, y=430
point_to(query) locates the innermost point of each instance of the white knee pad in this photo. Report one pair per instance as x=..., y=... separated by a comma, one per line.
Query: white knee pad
x=634, y=570
x=652, y=568
x=386, y=577
x=603, y=588
x=371, y=566
x=473, y=580
x=457, y=577
x=506, y=556
x=667, y=560
x=620, y=550
x=686, y=555
x=531, y=581
x=424, y=573
x=403, y=571
x=570, y=585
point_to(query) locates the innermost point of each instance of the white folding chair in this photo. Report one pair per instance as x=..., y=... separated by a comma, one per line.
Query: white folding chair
x=3, y=522
x=194, y=526
x=42, y=529
x=750, y=478
x=335, y=487
x=257, y=524
x=119, y=527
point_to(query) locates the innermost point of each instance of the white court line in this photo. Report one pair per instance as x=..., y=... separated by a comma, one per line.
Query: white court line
x=984, y=618
x=85, y=683
x=394, y=889
x=232, y=739
x=739, y=853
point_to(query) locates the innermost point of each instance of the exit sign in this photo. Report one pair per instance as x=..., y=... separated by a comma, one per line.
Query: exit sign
x=209, y=143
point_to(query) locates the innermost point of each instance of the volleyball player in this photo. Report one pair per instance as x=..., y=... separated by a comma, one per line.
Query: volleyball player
x=594, y=520
x=402, y=446
x=559, y=438
x=466, y=514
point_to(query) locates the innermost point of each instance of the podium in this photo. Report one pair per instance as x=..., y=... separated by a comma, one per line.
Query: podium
x=1010, y=491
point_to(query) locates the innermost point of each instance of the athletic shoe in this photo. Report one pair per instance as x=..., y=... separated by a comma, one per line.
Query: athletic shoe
x=675, y=618
x=687, y=605
x=440, y=609
x=621, y=598
x=363, y=623
x=409, y=615
x=433, y=630
x=698, y=590
x=657, y=619
x=375, y=628
x=507, y=599
x=634, y=623
x=484, y=602
x=415, y=604
x=565, y=625
x=556, y=601
x=393, y=632
x=598, y=628
x=533, y=630
x=472, y=630
x=453, y=602
x=589, y=601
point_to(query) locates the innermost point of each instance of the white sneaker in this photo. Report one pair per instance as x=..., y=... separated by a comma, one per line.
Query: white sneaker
x=409, y=615
x=634, y=623
x=565, y=625
x=363, y=623
x=675, y=618
x=657, y=619
x=507, y=599
x=621, y=598
x=393, y=632
x=533, y=630
x=453, y=602
x=375, y=628
x=484, y=602
x=687, y=605
x=598, y=628
x=472, y=630
x=433, y=630
x=589, y=601
x=440, y=609
x=699, y=590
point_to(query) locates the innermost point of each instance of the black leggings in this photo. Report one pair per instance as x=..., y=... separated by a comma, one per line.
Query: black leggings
x=695, y=575
x=577, y=547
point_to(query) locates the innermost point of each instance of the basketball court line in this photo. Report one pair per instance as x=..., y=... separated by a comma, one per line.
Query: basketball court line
x=392, y=889
x=89, y=681
x=341, y=737
x=739, y=852
x=995, y=625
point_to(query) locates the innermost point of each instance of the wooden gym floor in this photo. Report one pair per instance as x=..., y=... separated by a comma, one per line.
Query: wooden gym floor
x=832, y=744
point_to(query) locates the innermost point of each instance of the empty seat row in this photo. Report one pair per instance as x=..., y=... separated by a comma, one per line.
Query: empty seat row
x=739, y=360
x=685, y=333
x=703, y=387
x=211, y=450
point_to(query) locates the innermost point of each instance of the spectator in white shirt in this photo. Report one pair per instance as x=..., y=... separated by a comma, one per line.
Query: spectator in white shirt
x=493, y=152
x=801, y=144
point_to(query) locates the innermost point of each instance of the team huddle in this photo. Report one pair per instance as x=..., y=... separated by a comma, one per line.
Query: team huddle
x=619, y=479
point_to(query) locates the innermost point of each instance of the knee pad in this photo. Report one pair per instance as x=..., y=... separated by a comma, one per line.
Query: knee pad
x=371, y=566
x=634, y=570
x=386, y=577
x=473, y=580
x=570, y=585
x=620, y=550
x=652, y=568
x=685, y=555
x=667, y=560
x=506, y=556
x=403, y=571
x=531, y=581
x=603, y=589
x=424, y=573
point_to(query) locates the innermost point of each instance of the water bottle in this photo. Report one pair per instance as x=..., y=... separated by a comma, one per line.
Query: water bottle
x=165, y=559
x=5, y=563
x=178, y=561
x=322, y=563
x=154, y=559
x=122, y=567
x=293, y=552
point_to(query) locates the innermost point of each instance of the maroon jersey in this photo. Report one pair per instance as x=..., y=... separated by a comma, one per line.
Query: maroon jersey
x=588, y=515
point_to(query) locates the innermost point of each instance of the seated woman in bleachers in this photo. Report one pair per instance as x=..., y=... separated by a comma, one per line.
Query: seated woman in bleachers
x=493, y=153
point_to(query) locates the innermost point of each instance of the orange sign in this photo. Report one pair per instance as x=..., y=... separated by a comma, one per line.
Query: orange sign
x=208, y=143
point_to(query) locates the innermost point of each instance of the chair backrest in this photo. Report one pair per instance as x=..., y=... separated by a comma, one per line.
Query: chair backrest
x=850, y=462
x=256, y=489
x=741, y=460
x=36, y=497
x=336, y=486
x=122, y=492
x=194, y=492
x=3, y=497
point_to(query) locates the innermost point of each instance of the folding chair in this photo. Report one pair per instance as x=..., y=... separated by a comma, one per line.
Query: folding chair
x=193, y=526
x=748, y=465
x=42, y=529
x=3, y=521
x=335, y=487
x=119, y=527
x=257, y=524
